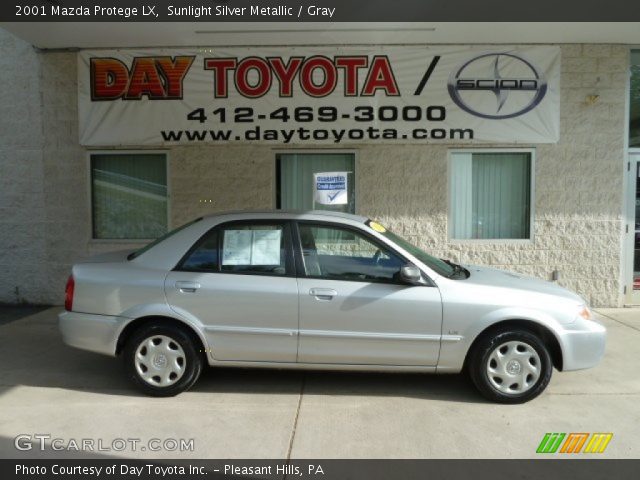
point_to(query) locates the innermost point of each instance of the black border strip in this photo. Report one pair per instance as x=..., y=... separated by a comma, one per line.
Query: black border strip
x=342, y=11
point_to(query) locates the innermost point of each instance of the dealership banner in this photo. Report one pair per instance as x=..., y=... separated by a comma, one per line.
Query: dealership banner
x=320, y=95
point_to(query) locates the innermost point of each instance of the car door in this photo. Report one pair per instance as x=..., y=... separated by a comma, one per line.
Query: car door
x=239, y=282
x=353, y=307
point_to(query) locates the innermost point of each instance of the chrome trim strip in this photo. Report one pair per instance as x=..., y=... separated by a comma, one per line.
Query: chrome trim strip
x=252, y=331
x=452, y=338
x=334, y=334
x=369, y=335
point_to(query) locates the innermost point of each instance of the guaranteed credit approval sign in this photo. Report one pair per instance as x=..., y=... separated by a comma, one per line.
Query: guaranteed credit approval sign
x=320, y=95
x=330, y=188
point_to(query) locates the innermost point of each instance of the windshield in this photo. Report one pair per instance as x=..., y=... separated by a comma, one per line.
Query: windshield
x=439, y=266
x=139, y=252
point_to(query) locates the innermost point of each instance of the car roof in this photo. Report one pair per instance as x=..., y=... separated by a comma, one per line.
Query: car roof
x=300, y=214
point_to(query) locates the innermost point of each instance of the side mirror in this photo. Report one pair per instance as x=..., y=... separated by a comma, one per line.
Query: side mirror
x=411, y=274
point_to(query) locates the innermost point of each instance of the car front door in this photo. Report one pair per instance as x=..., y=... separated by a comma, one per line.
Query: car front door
x=354, y=309
x=239, y=282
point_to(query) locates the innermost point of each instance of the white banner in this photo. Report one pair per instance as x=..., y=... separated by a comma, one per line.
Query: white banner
x=330, y=188
x=320, y=95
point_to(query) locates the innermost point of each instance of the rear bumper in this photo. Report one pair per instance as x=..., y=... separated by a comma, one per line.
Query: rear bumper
x=584, y=346
x=96, y=333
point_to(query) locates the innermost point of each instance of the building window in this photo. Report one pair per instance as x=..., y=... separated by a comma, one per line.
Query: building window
x=295, y=179
x=129, y=195
x=634, y=101
x=490, y=195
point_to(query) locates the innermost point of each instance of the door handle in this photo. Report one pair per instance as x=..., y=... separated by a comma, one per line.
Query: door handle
x=187, y=287
x=323, y=293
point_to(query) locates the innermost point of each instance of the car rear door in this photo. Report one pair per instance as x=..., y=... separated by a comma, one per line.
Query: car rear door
x=239, y=282
x=353, y=307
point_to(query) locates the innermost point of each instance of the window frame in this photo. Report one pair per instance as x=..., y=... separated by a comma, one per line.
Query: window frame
x=301, y=273
x=627, y=112
x=128, y=241
x=290, y=261
x=532, y=198
x=312, y=151
x=625, y=293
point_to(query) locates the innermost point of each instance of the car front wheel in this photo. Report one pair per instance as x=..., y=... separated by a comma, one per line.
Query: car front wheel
x=162, y=359
x=510, y=366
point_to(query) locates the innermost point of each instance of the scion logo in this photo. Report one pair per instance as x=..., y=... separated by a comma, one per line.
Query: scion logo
x=518, y=86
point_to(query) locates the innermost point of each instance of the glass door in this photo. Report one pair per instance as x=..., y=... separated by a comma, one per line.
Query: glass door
x=632, y=240
x=633, y=296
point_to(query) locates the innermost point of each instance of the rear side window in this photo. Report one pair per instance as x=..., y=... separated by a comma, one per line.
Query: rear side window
x=204, y=258
x=253, y=249
x=247, y=248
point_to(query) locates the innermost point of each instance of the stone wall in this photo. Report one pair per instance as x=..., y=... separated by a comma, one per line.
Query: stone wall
x=578, y=193
x=45, y=206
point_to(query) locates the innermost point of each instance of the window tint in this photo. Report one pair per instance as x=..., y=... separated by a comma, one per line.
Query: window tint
x=342, y=254
x=205, y=256
x=253, y=249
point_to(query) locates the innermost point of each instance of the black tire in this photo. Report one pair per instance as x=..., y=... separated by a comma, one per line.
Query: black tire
x=479, y=358
x=192, y=359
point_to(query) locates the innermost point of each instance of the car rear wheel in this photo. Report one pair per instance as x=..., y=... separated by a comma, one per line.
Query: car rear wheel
x=510, y=366
x=162, y=359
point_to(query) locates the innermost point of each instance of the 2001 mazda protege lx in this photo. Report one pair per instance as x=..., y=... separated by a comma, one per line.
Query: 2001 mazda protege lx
x=321, y=290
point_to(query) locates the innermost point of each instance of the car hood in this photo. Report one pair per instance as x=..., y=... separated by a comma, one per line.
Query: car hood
x=501, y=278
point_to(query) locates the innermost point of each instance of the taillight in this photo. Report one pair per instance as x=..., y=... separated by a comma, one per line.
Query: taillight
x=68, y=294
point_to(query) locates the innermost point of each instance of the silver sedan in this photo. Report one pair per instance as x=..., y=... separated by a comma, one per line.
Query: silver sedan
x=321, y=290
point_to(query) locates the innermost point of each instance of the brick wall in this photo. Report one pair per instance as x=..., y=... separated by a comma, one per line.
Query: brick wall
x=45, y=208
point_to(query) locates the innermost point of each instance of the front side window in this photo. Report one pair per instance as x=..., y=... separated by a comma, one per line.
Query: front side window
x=295, y=180
x=342, y=254
x=129, y=195
x=634, y=101
x=490, y=195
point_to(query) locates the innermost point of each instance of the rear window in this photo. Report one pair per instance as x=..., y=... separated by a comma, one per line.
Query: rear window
x=139, y=252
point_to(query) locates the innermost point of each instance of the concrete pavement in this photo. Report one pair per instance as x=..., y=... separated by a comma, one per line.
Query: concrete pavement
x=48, y=388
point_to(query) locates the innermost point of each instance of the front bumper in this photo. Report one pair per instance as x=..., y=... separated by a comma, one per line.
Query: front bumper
x=96, y=333
x=583, y=345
